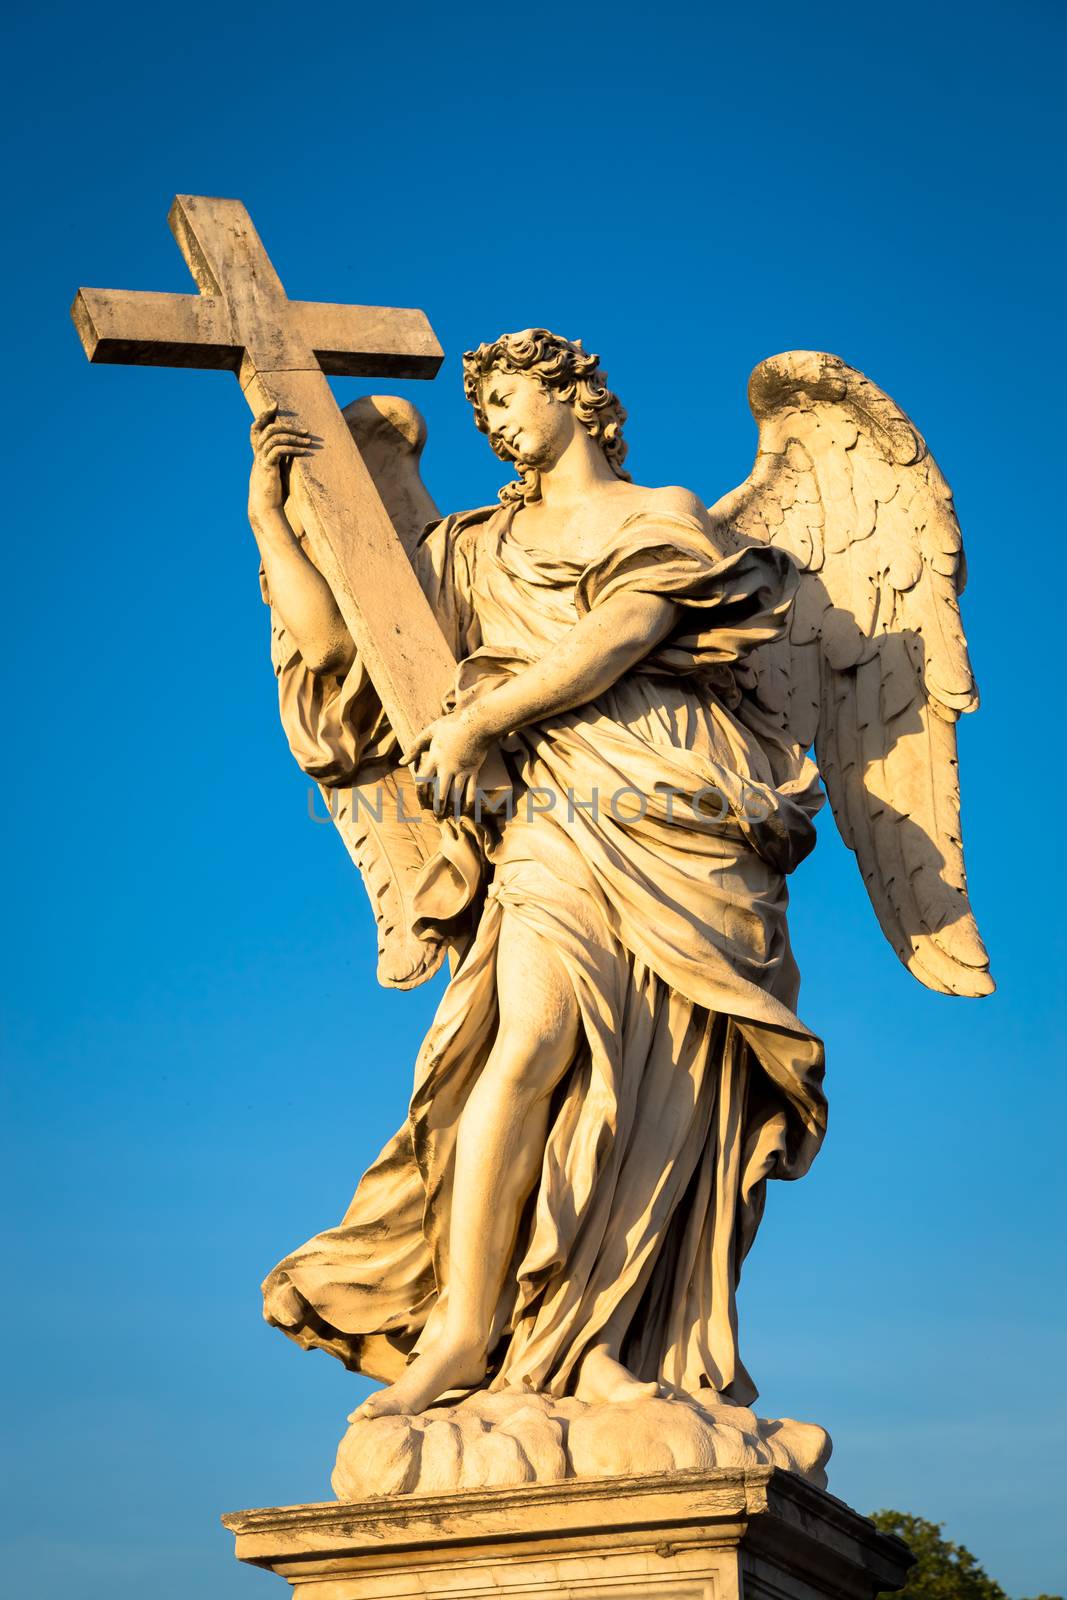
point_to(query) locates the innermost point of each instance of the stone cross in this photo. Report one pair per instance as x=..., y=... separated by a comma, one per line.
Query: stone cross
x=242, y=321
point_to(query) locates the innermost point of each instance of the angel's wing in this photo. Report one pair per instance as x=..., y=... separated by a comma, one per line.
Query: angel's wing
x=874, y=669
x=374, y=817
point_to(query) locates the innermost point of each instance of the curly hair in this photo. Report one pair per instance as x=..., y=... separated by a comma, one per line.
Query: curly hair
x=564, y=370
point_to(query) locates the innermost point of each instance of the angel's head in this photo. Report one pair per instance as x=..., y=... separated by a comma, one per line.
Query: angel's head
x=530, y=391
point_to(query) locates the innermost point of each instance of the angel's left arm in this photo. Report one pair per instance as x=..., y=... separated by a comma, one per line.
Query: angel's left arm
x=594, y=654
x=601, y=646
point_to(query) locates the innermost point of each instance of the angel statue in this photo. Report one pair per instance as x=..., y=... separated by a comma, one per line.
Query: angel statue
x=543, y=1261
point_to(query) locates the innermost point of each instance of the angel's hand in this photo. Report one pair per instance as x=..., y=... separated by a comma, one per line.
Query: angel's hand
x=450, y=753
x=277, y=441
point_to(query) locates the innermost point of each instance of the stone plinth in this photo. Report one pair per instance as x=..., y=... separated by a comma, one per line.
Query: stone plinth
x=756, y=1532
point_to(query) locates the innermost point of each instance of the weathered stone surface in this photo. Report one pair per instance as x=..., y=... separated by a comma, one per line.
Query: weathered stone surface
x=724, y=1534
x=506, y=1438
x=483, y=1213
x=281, y=350
x=616, y=1069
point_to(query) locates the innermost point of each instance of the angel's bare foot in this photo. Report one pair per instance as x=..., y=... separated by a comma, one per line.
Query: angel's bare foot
x=602, y=1379
x=447, y=1364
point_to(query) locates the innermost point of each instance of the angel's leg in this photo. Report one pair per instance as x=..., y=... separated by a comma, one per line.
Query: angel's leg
x=499, y=1153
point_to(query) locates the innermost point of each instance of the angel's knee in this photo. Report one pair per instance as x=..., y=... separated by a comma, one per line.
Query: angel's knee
x=539, y=1025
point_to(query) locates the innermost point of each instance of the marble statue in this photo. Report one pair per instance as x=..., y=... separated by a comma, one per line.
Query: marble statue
x=616, y=1068
x=594, y=826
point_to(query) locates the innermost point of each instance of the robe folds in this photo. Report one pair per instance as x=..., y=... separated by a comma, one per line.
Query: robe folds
x=649, y=843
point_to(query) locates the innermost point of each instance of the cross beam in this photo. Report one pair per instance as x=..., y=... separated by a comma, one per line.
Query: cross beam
x=242, y=321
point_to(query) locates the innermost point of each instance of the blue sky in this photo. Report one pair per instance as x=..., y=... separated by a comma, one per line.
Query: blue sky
x=200, y=1064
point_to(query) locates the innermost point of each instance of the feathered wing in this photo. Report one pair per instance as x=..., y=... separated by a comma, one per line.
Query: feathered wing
x=874, y=668
x=389, y=850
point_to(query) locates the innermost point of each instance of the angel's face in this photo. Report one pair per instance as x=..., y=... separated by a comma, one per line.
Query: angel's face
x=525, y=421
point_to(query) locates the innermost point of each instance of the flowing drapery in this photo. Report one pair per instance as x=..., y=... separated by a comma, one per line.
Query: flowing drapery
x=649, y=842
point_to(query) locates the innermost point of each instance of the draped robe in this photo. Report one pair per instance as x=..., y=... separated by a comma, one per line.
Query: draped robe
x=649, y=842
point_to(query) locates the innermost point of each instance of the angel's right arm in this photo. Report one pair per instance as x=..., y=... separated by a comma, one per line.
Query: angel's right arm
x=298, y=591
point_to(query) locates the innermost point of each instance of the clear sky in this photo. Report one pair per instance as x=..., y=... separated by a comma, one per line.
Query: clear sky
x=200, y=1062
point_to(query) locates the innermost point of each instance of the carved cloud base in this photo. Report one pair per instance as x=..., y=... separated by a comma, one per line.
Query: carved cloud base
x=757, y=1533
x=511, y=1437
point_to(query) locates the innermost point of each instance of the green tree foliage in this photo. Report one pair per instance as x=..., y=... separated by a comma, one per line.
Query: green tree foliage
x=942, y=1570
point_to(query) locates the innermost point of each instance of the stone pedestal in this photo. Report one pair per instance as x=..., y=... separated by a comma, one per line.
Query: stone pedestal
x=759, y=1533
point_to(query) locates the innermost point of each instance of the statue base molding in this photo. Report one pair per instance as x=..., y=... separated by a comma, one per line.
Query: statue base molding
x=757, y=1532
